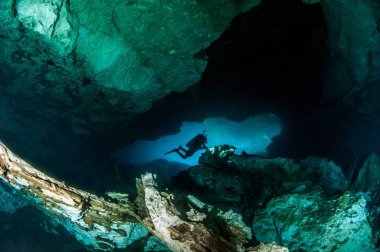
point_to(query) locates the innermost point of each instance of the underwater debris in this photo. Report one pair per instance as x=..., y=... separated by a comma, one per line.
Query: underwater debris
x=115, y=223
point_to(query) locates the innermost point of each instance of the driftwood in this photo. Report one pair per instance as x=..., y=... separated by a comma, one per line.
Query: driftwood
x=114, y=221
x=98, y=223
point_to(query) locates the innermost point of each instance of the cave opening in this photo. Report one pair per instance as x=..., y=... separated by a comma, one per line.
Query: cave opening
x=269, y=60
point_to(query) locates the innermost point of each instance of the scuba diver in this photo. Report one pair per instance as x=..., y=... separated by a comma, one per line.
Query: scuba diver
x=198, y=142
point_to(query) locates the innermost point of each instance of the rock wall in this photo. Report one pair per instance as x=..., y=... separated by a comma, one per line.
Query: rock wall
x=353, y=69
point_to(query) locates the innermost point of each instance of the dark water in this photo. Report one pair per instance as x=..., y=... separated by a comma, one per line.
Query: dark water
x=29, y=230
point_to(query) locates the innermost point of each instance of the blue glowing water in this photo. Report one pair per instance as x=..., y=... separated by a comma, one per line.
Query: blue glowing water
x=252, y=135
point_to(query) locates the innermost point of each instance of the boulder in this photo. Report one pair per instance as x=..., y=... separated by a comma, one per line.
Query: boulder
x=328, y=174
x=310, y=222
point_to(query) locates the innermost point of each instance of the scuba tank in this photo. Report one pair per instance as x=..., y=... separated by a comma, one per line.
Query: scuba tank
x=198, y=140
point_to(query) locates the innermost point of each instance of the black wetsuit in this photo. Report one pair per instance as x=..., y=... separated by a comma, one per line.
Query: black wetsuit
x=195, y=144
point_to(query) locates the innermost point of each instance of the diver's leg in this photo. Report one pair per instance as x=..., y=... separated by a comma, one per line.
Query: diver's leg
x=190, y=152
x=181, y=148
x=178, y=151
x=173, y=150
x=184, y=156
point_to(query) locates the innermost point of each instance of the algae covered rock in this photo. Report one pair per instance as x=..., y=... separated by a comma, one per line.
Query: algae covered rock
x=309, y=222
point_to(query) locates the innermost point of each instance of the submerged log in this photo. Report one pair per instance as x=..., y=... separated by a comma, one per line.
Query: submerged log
x=179, y=235
x=99, y=223
x=115, y=221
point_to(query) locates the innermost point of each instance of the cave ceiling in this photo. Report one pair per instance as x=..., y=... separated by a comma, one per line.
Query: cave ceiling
x=93, y=65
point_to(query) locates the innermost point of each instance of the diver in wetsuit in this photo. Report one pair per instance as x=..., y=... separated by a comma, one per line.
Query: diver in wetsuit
x=198, y=142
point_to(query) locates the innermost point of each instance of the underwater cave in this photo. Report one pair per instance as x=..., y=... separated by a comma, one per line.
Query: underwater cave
x=100, y=101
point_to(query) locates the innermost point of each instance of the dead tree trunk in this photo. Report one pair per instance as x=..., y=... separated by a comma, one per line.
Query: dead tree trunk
x=115, y=222
x=97, y=222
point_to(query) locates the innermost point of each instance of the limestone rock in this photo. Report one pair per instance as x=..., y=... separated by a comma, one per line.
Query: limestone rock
x=100, y=58
x=321, y=171
x=353, y=72
x=226, y=187
x=368, y=178
x=367, y=184
x=309, y=222
x=234, y=179
x=329, y=175
x=271, y=247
